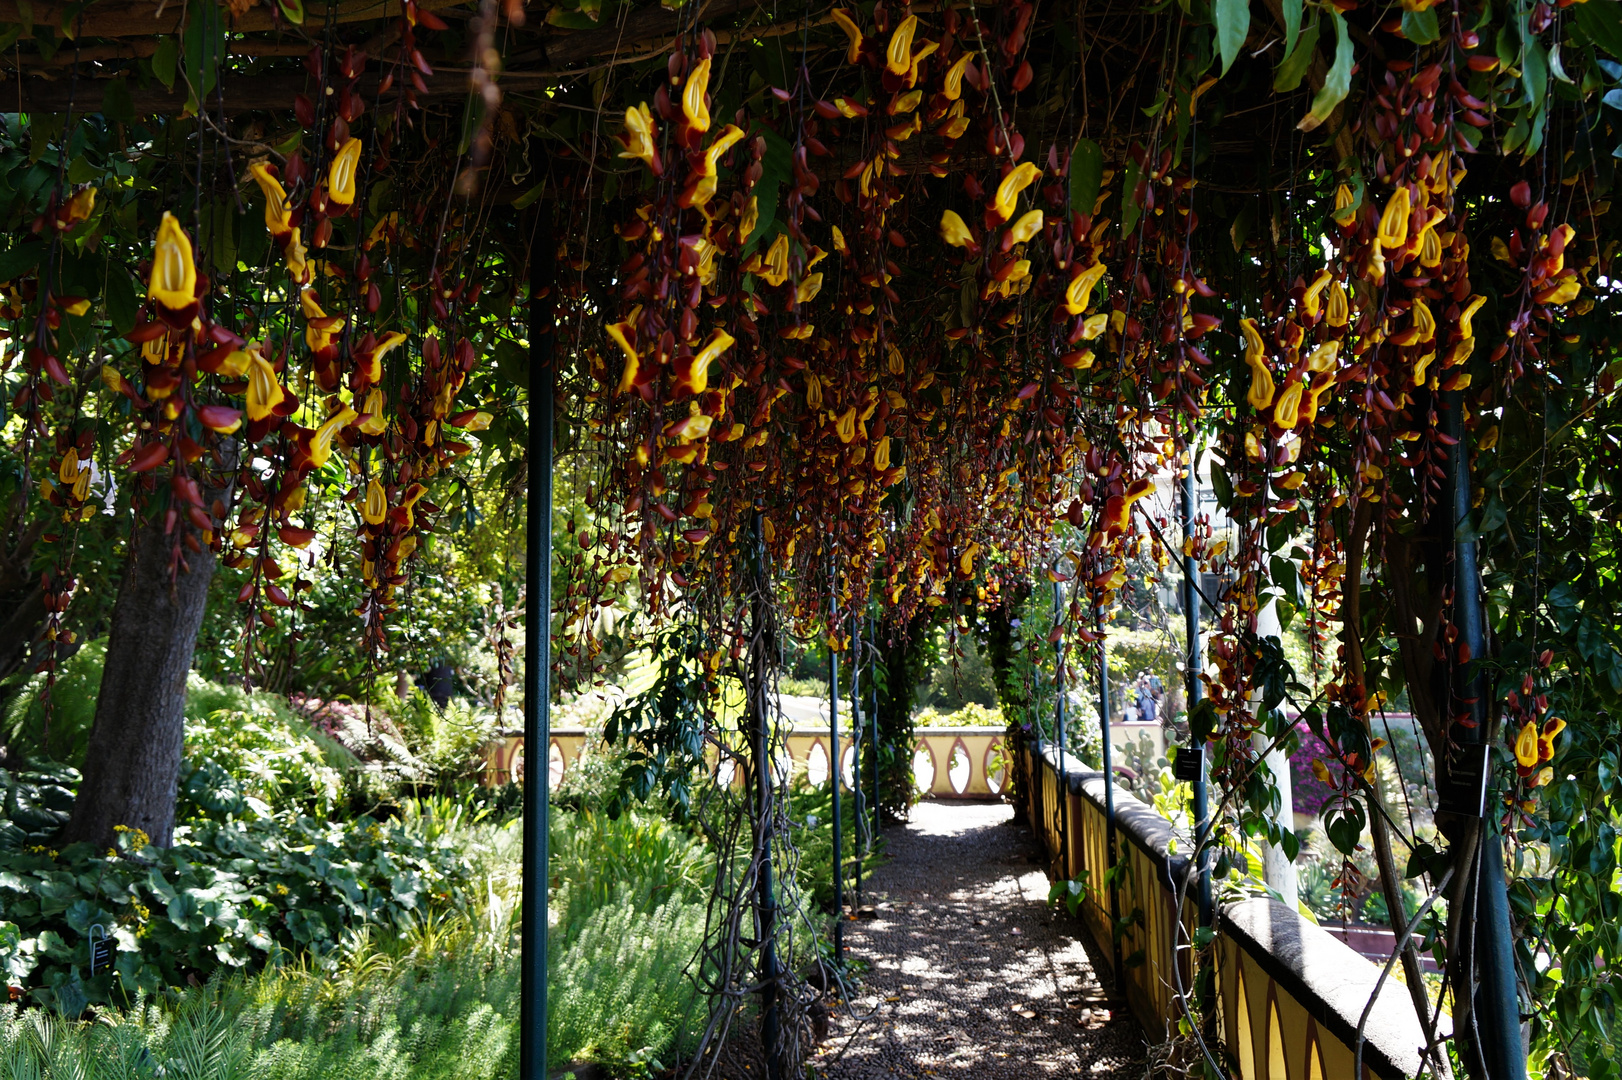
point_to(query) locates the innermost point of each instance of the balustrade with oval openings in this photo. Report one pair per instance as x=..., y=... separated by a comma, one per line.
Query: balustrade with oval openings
x=948, y=763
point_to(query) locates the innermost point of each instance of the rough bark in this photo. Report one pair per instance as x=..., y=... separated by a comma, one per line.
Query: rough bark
x=132, y=767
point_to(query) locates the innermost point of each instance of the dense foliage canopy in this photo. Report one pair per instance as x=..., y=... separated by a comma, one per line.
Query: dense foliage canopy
x=907, y=305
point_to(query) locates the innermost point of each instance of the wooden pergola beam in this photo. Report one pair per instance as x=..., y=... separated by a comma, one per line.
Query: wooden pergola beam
x=142, y=18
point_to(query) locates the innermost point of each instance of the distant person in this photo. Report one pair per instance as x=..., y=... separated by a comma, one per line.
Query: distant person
x=439, y=683
x=1148, y=707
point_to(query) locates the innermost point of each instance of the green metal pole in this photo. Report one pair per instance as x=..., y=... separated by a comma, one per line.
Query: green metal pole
x=537, y=657
x=833, y=770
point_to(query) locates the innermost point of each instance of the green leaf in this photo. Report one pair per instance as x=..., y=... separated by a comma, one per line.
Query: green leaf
x=1337, y=84
x=1232, y=24
x=1535, y=73
x=1291, y=10
x=122, y=302
x=116, y=103
x=19, y=260
x=1293, y=68
x=204, y=41
x=1601, y=20
x=164, y=60
x=1086, y=175
x=1420, y=27
x=1131, y=209
x=529, y=196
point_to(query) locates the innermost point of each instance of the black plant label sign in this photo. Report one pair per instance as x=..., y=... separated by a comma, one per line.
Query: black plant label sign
x=101, y=951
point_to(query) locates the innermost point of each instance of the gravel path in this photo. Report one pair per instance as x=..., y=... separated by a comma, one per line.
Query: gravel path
x=970, y=973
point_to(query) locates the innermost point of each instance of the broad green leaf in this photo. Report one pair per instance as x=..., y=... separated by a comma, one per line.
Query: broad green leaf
x=1131, y=209
x=1294, y=66
x=1232, y=24
x=204, y=41
x=122, y=302
x=116, y=103
x=1337, y=83
x=1534, y=72
x=1601, y=20
x=19, y=259
x=164, y=61
x=1292, y=24
x=1086, y=175
x=1420, y=27
x=529, y=196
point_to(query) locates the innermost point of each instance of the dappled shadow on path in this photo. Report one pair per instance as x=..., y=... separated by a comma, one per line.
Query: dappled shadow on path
x=970, y=973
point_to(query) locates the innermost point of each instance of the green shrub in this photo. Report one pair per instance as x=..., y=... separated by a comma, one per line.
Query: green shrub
x=620, y=992
x=229, y=894
x=275, y=761
x=62, y=731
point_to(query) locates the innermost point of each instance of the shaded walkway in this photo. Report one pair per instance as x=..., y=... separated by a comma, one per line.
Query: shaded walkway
x=971, y=974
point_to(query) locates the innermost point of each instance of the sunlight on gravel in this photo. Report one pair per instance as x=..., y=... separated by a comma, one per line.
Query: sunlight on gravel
x=971, y=975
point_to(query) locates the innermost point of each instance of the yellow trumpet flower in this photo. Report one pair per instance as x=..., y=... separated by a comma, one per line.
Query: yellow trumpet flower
x=1323, y=357
x=1394, y=221
x=775, y=269
x=295, y=254
x=693, y=107
x=1345, y=209
x=898, y=57
x=1526, y=745
x=1029, y=224
x=174, y=275
x=375, y=423
x=1080, y=291
x=852, y=31
x=1261, y=378
x=699, y=380
x=1310, y=299
x=808, y=289
x=321, y=441
x=369, y=368
x=881, y=453
x=621, y=332
x=376, y=507
x=278, y=218
x=702, y=187
x=1007, y=198
x=928, y=49
x=845, y=425
x=79, y=207
x=341, y=177
x=954, y=230
x=639, y=135
x=317, y=337
x=1424, y=321
x=1287, y=410
x=1430, y=247
x=264, y=391
x=1336, y=308
x=953, y=86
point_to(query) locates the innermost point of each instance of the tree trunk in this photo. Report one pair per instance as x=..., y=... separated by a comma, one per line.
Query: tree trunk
x=132, y=767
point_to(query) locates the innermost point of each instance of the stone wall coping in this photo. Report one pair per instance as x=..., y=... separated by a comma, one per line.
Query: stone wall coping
x=1134, y=819
x=1332, y=981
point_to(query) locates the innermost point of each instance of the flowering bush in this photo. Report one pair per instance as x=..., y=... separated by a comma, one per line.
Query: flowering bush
x=1310, y=793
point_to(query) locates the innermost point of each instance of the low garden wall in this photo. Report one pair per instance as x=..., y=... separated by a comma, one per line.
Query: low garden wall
x=1290, y=994
x=948, y=762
